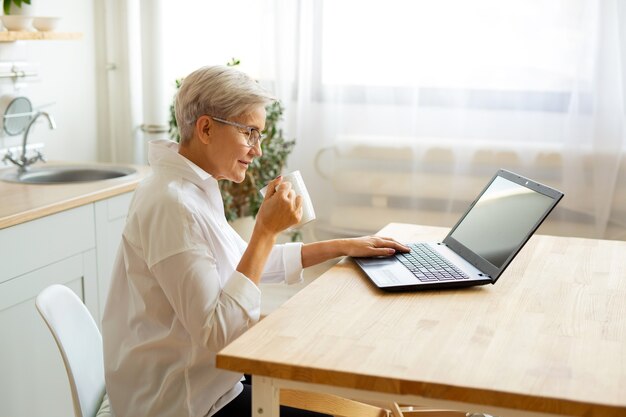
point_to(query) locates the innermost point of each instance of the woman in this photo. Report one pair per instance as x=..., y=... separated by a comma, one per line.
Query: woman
x=184, y=283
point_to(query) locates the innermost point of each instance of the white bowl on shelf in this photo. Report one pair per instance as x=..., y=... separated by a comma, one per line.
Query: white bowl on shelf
x=17, y=22
x=46, y=24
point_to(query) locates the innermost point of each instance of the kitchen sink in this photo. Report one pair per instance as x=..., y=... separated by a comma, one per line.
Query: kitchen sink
x=65, y=174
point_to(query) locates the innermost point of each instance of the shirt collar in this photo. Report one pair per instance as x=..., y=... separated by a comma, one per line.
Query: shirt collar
x=163, y=156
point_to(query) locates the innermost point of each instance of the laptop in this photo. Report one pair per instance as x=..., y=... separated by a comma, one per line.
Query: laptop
x=478, y=248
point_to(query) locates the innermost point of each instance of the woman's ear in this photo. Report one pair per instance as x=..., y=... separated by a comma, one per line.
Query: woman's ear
x=203, y=128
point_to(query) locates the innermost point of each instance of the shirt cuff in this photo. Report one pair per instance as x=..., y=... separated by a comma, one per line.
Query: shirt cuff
x=245, y=293
x=292, y=262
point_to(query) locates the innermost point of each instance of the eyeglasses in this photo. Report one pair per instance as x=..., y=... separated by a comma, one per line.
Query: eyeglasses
x=254, y=136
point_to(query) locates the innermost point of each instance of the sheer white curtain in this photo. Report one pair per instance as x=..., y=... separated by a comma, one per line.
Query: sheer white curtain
x=403, y=110
x=132, y=82
x=416, y=104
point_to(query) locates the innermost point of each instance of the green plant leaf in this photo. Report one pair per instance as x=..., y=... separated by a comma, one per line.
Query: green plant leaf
x=296, y=236
x=6, y=5
x=233, y=62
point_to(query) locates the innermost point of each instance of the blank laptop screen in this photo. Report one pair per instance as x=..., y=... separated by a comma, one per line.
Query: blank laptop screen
x=501, y=219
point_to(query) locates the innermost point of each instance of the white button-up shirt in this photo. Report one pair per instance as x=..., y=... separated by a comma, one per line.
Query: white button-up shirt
x=175, y=298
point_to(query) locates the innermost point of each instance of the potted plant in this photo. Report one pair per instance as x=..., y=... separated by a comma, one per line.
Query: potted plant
x=8, y=10
x=243, y=199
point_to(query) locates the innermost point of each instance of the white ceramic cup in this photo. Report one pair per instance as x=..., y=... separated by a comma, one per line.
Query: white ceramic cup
x=297, y=184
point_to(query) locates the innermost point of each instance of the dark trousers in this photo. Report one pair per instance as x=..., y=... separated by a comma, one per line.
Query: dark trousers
x=241, y=406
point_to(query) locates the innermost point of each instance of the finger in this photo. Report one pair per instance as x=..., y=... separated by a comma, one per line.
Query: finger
x=298, y=213
x=298, y=203
x=392, y=243
x=273, y=185
x=283, y=186
x=398, y=246
x=292, y=196
x=382, y=252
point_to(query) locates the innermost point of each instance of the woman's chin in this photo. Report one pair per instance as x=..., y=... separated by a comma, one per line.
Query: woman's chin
x=239, y=178
x=235, y=176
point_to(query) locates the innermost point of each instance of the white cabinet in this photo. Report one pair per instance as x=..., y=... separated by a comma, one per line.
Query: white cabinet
x=75, y=248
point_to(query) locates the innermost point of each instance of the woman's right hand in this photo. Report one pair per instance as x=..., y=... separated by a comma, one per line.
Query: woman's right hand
x=281, y=208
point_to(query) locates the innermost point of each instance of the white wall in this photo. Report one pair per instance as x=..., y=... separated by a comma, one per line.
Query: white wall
x=67, y=77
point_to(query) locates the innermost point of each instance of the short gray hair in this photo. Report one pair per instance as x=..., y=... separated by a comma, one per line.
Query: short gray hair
x=218, y=91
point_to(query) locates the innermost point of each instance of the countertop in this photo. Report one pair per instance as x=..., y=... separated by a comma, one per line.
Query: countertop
x=25, y=202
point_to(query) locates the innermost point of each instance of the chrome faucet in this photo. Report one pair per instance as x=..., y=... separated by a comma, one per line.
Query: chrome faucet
x=23, y=162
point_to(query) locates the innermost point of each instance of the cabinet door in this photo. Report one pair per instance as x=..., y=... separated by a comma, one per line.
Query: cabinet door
x=110, y=218
x=33, y=381
x=35, y=244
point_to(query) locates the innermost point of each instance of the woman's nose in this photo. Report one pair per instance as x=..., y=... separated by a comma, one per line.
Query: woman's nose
x=257, y=149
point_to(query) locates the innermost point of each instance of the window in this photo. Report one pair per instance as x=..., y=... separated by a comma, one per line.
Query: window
x=483, y=44
x=488, y=54
x=523, y=54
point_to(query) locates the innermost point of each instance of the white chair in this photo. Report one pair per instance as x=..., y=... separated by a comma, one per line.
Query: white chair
x=80, y=344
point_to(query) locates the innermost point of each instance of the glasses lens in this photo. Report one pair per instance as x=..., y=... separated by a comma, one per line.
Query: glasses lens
x=254, y=138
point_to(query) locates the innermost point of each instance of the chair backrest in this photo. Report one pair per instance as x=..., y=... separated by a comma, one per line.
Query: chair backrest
x=80, y=343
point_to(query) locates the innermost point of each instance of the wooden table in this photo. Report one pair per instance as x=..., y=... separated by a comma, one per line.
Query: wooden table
x=548, y=338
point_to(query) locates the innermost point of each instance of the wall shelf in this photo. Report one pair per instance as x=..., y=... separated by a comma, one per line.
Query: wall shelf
x=11, y=36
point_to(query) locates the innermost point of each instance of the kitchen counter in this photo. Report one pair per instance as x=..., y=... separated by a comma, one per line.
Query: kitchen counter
x=25, y=202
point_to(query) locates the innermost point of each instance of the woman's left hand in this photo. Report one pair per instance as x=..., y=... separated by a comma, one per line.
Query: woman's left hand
x=373, y=246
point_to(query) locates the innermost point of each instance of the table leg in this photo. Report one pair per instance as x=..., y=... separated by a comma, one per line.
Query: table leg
x=265, y=397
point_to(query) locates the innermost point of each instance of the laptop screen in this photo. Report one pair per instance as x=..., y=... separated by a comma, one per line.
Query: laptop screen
x=501, y=220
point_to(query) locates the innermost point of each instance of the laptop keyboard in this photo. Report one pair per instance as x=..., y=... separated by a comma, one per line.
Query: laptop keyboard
x=427, y=265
